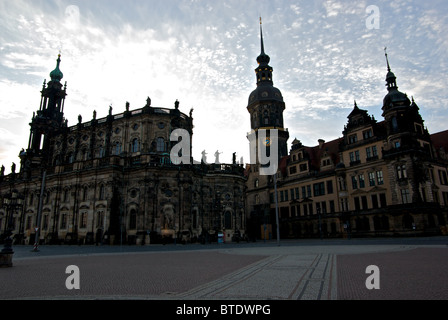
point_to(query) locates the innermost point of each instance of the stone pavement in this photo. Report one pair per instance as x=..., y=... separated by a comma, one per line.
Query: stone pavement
x=295, y=270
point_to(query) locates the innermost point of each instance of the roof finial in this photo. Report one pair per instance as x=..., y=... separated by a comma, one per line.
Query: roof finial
x=387, y=59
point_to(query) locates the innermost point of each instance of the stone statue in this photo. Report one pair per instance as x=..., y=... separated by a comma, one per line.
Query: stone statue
x=2, y=171
x=148, y=102
x=217, y=153
x=13, y=168
x=204, y=157
x=234, y=158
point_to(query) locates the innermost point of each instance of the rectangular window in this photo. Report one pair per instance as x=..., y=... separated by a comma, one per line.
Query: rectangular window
x=443, y=177
x=374, y=151
x=369, y=152
x=406, y=196
x=383, y=201
x=357, y=158
x=286, y=195
x=364, y=203
x=357, y=204
x=352, y=157
x=329, y=187
x=401, y=172
x=352, y=139
x=379, y=177
x=332, y=208
x=316, y=189
x=293, y=211
x=282, y=196
x=292, y=194
x=303, y=192
x=297, y=193
x=367, y=134
x=293, y=170
x=354, y=183
x=374, y=201
x=344, y=204
x=308, y=189
x=372, y=179
x=362, y=182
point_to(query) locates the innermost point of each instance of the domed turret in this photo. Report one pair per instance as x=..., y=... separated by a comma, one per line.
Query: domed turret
x=56, y=74
x=394, y=98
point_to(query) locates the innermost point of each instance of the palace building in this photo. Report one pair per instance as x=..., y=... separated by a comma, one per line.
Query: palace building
x=382, y=178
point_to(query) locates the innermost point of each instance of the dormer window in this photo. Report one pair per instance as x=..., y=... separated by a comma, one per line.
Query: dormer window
x=367, y=134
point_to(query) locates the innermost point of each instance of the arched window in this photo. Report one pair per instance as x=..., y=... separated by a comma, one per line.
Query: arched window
x=70, y=157
x=133, y=219
x=66, y=195
x=100, y=152
x=102, y=192
x=161, y=145
x=117, y=148
x=135, y=146
x=84, y=194
x=394, y=124
x=228, y=220
x=100, y=219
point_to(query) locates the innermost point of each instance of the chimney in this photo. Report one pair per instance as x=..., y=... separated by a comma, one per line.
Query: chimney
x=321, y=143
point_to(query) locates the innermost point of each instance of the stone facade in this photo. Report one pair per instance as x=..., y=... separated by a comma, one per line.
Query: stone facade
x=112, y=180
x=382, y=178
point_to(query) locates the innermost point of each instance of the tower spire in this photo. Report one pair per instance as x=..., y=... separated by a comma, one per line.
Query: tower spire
x=387, y=59
x=391, y=79
x=263, y=59
x=261, y=36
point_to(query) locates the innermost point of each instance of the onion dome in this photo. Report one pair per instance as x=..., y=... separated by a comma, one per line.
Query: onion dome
x=56, y=74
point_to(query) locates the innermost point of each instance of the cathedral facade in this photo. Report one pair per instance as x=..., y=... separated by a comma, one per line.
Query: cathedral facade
x=113, y=180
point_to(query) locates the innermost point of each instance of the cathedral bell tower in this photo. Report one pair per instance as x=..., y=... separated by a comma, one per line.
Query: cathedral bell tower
x=266, y=104
x=47, y=122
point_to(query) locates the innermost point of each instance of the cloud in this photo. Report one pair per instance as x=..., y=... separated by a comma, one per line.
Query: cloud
x=203, y=53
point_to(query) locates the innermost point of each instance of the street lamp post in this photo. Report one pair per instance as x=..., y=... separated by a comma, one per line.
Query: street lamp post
x=11, y=202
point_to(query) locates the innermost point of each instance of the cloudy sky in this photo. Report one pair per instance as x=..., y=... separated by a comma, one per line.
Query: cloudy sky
x=325, y=55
